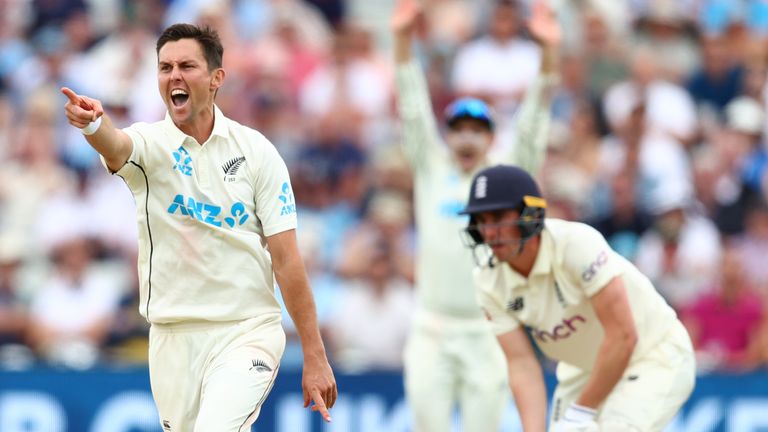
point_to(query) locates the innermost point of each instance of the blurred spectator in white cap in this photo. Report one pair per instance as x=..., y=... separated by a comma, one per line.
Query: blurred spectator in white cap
x=651, y=156
x=743, y=159
x=665, y=28
x=669, y=108
x=681, y=251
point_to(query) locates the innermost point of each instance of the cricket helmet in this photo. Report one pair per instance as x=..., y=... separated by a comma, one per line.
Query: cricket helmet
x=505, y=187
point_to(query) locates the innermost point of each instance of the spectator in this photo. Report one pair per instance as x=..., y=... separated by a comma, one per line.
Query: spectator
x=372, y=320
x=681, y=252
x=13, y=312
x=724, y=323
x=71, y=313
x=501, y=64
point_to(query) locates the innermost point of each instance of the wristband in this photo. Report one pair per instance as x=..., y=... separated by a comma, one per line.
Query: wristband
x=92, y=127
x=579, y=414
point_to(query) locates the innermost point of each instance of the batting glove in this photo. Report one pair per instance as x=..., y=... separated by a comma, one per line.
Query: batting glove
x=577, y=418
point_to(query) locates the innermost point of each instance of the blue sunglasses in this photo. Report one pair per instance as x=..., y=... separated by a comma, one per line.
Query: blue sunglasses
x=469, y=108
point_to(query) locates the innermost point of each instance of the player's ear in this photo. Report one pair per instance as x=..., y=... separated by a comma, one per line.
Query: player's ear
x=218, y=79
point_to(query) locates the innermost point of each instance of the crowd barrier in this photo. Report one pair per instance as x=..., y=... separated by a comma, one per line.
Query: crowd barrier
x=119, y=400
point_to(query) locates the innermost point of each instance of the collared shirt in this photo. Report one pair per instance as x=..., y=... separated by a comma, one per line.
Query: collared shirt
x=204, y=212
x=573, y=264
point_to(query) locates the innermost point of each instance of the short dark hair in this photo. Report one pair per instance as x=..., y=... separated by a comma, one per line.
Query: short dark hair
x=207, y=37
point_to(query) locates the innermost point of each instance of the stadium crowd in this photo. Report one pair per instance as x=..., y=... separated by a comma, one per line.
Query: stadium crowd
x=658, y=140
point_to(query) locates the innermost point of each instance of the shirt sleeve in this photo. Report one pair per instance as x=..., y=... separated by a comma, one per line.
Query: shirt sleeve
x=501, y=322
x=588, y=259
x=421, y=137
x=274, y=202
x=131, y=171
x=532, y=124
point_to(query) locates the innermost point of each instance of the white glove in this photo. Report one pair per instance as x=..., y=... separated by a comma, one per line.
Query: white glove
x=577, y=418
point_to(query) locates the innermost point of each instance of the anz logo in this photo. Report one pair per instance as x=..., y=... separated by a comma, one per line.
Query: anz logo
x=286, y=197
x=208, y=213
x=183, y=161
x=561, y=331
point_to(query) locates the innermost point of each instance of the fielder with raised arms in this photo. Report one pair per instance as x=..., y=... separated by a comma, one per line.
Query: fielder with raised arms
x=451, y=357
x=217, y=227
x=626, y=363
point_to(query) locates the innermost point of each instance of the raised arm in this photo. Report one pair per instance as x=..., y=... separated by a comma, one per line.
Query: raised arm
x=533, y=119
x=420, y=133
x=88, y=115
x=525, y=380
x=318, y=382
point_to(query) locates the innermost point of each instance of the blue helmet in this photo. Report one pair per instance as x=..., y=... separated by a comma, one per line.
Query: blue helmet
x=469, y=108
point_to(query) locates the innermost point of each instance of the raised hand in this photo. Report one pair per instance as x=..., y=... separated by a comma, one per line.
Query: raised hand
x=405, y=16
x=81, y=110
x=543, y=25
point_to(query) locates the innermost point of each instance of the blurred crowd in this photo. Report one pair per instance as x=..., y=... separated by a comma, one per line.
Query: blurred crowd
x=658, y=140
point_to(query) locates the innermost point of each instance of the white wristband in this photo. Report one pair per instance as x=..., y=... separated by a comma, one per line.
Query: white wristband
x=579, y=414
x=92, y=127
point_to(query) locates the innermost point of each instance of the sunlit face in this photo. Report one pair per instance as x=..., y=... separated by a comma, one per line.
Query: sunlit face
x=469, y=141
x=500, y=232
x=186, y=85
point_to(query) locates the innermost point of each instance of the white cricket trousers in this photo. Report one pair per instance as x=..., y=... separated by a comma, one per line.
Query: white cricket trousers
x=453, y=362
x=653, y=388
x=213, y=377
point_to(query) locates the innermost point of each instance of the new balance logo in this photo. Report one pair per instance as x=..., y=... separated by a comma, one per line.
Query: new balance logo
x=516, y=304
x=260, y=366
x=230, y=168
x=166, y=426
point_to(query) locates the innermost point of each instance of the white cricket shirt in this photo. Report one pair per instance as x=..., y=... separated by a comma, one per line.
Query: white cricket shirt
x=444, y=264
x=573, y=264
x=204, y=212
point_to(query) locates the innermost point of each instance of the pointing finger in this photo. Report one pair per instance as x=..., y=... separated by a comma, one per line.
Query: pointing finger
x=77, y=100
x=72, y=96
x=320, y=406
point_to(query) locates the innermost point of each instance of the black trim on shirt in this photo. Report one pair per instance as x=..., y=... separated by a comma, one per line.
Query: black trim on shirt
x=149, y=232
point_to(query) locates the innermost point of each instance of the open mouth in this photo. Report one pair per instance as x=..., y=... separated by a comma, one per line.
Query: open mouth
x=179, y=97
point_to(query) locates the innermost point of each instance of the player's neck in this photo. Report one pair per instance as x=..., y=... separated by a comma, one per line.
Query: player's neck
x=524, y=261
x=200, y=127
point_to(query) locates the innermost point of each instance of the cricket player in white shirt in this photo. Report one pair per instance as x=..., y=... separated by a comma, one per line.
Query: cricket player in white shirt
x=217, y=225
x=626, y=363
x=451, y=357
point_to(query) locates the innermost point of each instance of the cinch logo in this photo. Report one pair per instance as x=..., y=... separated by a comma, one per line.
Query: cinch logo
x=287, y=198
x=591, y=271
x=208, y=213
x=183, y=161
x=560, y=331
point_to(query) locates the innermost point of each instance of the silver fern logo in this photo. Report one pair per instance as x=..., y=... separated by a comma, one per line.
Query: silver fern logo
x=260, y=366
x=231, y=167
